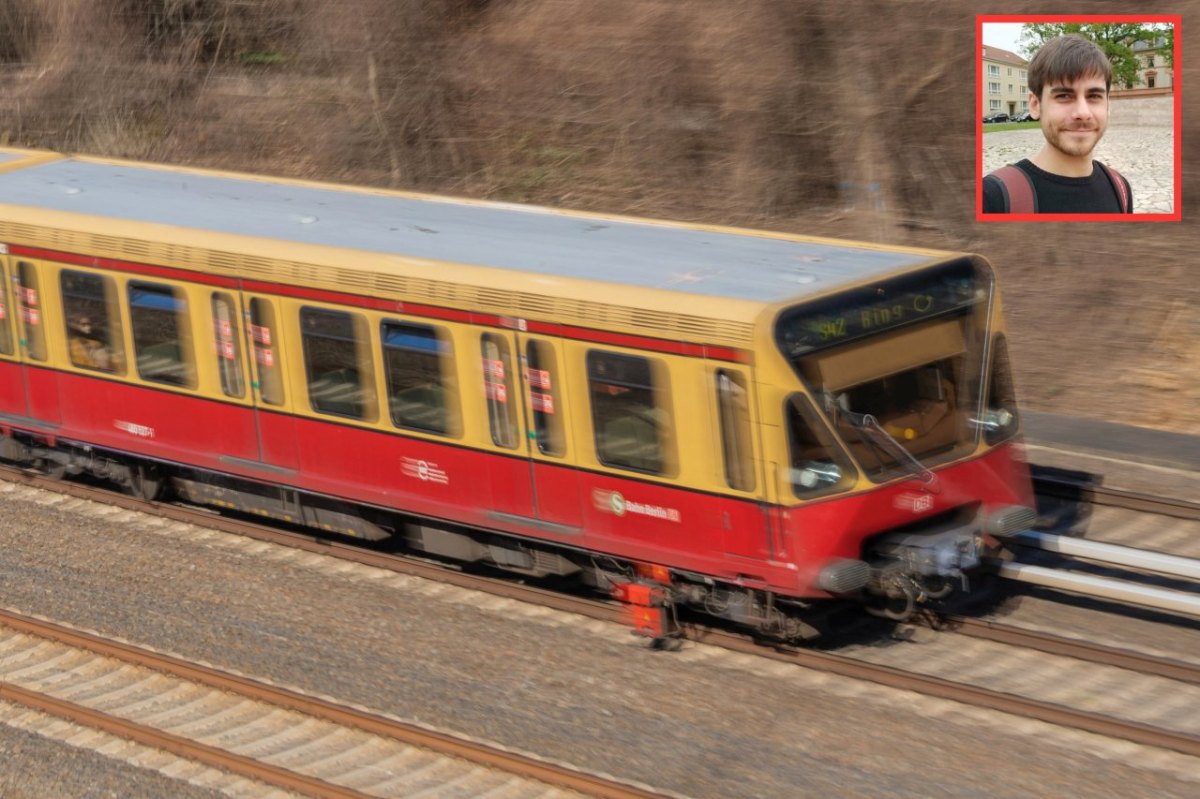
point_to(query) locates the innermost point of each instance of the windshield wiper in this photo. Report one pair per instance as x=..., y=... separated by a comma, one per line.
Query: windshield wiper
x=881, y=438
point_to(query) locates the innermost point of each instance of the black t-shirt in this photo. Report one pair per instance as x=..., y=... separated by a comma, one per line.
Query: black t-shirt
x=1061, y=195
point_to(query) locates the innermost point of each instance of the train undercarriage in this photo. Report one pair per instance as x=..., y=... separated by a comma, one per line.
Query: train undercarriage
x=904, y=571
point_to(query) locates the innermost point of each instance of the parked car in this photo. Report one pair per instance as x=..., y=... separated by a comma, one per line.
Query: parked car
x=997, y=117
x=1024, y=116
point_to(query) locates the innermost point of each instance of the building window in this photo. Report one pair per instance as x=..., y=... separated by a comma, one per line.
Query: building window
x=1149, y=61
x=93, y=331
x=162, y=341
x=1010, y=70
x=994, y=105
x=1024, y=90
x=1150, y=83
x=993, y=69
x=419, y=364
x=337, y=358
x=1022, y=74
x=993, y=87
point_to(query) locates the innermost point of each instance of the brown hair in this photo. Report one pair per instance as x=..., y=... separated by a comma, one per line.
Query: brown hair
x=1068, y=58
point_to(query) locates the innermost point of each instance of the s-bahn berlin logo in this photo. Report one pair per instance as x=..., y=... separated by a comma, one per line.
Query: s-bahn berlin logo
x=616, y=504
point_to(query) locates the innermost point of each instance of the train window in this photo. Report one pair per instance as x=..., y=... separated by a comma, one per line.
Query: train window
x=93, y=321
x=733, y=405
x=162, y=341
x=6, y=340
x=337, y=358
x=264, y=337
x=497, y=388
x=228, y=343
x=631, y=426
x=419, y=364
x=544, y=398
x=1000, y=419
x=818, y=464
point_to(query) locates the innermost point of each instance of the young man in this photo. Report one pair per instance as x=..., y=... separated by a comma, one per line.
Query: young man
x=1069, y=79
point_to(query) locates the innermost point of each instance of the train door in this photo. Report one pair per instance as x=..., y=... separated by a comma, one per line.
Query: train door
x=746, y=520
x=39, y=380
x=556, y=482
x=273, y=421
x=12, y=380
x=510, y=475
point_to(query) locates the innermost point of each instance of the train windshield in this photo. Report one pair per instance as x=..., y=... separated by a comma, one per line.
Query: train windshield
x=896, y=366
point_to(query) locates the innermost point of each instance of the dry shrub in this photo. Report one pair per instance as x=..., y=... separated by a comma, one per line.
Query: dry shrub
x=666, y=108
x=396, y=115
x=20, y=29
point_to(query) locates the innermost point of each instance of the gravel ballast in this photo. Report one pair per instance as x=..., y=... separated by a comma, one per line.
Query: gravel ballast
x=700, y=722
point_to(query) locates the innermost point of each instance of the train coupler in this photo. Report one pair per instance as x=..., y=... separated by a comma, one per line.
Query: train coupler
x=649, y=610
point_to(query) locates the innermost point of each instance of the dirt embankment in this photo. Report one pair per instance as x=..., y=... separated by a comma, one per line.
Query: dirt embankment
x=852, y=119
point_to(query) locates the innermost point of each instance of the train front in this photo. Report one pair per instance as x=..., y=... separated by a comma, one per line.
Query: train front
x=904, y=463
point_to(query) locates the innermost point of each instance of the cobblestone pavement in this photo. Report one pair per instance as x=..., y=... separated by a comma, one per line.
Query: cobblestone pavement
x=1142, y=154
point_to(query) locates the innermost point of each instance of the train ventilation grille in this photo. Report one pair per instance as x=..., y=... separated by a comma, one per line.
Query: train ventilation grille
x=421, y=290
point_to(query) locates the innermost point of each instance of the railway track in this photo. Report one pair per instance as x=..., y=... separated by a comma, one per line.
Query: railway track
x=1184, y=741
x=271, y=735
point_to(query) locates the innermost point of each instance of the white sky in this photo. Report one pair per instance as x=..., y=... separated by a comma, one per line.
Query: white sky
x=1004, y=35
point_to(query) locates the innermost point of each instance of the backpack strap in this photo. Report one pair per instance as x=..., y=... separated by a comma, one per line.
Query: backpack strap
x=1119, y=186
x=1019, y=196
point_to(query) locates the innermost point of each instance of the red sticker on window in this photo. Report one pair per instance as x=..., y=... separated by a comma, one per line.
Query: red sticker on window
x=261, y=334
x=264, y=356
x=496, y=391
x=542, y=403
x=539, y=378
x=493, y=368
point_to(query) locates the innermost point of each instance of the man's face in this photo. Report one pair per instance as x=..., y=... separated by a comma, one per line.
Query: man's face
x=1073, y=114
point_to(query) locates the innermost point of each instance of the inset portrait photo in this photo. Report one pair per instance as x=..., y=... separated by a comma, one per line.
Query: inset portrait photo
x=1077, y=118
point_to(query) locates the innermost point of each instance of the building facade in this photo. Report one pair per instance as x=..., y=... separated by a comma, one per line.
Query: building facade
x=1005, y=83
x=1153, y=72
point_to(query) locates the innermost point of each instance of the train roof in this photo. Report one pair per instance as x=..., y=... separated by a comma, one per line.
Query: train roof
x=747, y=268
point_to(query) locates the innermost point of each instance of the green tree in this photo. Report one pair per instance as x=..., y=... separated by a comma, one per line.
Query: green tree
x=1116, y=39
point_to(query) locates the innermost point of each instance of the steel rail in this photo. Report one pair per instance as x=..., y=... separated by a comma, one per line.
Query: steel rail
x=840, y=665
x=1054, y=485
x=1090, y=652
x=178, y=745
x=442, y=743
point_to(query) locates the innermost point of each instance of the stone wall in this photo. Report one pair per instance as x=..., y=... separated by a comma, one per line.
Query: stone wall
x=1140, y=109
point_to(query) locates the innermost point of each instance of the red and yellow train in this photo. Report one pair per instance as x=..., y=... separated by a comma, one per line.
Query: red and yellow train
x=742, y=422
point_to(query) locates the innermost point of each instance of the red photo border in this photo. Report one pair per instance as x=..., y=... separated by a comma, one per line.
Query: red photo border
x=1176, y=21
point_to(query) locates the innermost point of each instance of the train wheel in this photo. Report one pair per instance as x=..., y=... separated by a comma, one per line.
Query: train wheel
x=145, y=482
x=51, y=468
